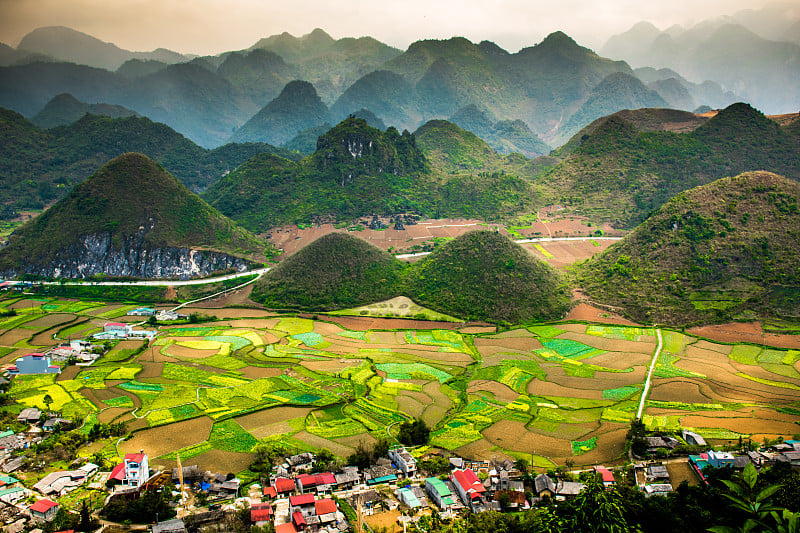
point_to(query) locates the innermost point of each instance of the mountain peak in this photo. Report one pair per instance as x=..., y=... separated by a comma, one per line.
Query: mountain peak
x=558, y=39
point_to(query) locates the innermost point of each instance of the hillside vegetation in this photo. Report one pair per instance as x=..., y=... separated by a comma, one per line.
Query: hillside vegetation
x=478, y=276
x=722, y=251
x=358, y=171
x=38, y=166
x=133, y=200
x=621, y=173
x=484, y=275
x=335, y=271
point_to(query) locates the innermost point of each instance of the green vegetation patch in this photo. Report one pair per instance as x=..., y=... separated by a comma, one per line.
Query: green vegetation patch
x=136, y=386
x=119, y=401
x=570, y=349
x=665, y=368
x=620, y=393
x=231, y=437
x=413, y=371
x=580, y=447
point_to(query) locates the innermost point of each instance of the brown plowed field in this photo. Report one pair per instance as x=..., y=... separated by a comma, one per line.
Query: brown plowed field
x=746, y=332
x=165, y=439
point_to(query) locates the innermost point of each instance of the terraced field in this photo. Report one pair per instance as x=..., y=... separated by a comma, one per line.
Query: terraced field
x=214, y=392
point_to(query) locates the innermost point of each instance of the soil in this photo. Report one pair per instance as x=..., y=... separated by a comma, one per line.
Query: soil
x=585, y=311
x=746, y=332
x=165, y=439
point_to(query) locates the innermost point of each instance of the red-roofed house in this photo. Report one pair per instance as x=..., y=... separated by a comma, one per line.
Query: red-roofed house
x=320, y=482
x=133, y=471
x=284, y=486
x=288, y=527
x=261, y=513
x=304, y=503
x=469, y=488
x=118, y=473
x=298, y=520
x=270, y=492
x=605, y=473
x=44, y=510
x=325, y=506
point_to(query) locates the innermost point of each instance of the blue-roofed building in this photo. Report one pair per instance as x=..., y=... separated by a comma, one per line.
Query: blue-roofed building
x=34, y=363
x=441, y=495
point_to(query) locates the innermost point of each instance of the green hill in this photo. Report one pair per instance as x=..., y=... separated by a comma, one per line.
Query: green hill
x=39, y=166
x=296, y=108
x=359, y=171
x=722, y=251
x=130, y=218
x=621, y=173
x=484, y=275
x=66, y=109
x=505, y=136
x=336, y=271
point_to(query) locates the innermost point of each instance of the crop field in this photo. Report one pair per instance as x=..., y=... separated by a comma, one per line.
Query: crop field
x=216, y=391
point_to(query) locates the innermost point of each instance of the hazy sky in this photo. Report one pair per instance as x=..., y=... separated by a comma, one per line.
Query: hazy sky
x=213, y=26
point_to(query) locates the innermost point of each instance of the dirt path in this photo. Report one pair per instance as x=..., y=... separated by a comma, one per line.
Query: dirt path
x=646, y=388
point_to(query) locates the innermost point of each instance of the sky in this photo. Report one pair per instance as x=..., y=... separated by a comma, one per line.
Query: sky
x=212, y=26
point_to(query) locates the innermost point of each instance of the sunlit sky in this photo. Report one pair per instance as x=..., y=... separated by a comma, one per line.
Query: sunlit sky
x=213, y=26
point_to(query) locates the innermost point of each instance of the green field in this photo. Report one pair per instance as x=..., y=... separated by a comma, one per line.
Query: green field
x=554, y=392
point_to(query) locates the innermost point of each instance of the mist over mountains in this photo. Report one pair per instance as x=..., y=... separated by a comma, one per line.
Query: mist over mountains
x=530, y=100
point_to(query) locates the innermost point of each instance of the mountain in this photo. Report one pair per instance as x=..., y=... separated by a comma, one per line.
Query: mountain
x=723, y=251
x=258, y=74
x=385, y=93
x=336, y=271
x=484, y=275
x=504, y=136
x=758, y=68
x=136, y=68
x=359, y=171
x=330, y=65
x=73, y=46
x=38, y=166
x=131, y=218
x=296, y=108
x=674, y=93
x=616, y=91
x=619, y=172
x=66, y=109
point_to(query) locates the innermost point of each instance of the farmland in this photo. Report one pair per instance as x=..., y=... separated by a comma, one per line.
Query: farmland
x=214, y=392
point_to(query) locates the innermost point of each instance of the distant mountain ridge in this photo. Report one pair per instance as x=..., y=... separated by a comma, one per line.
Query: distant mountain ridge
x=66, y=44
x=65, y=109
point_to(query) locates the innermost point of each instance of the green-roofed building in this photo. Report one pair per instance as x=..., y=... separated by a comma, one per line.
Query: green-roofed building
x=439, y=493
x=406, y=496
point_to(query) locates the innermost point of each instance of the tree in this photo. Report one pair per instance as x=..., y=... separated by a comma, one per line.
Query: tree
x=48, y=401
x=414, y=432
x=598, y=510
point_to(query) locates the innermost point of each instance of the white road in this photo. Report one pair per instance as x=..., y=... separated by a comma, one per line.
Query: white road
x=158, y=283
x=649, y=375
x=525, y=241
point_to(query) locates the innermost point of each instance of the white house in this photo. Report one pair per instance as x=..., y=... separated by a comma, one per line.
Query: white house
x=404, y=461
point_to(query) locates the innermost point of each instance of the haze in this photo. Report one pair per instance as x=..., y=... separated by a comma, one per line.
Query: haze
x=213, y=26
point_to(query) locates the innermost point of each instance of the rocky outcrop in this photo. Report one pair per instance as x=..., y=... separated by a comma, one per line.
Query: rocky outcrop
x=98, y=254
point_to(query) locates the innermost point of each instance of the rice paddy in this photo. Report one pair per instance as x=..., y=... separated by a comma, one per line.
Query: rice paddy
x=551, y=393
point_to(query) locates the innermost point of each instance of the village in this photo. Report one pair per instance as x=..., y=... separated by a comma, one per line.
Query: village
x=296, y=495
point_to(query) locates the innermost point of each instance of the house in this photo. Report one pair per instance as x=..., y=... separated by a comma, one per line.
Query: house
x=516, y=500
x=288, y=527
x=347, y=478
x=52, y=423
x=142, y=311
x=656, y=472
x=59, y=483
x=270, y=493
x=794, y=458
x=316, y=482
x=34, y=363
x=117, y=326
x=380, y=474
x=657, y=489
x=190, y=474
x=133, y=472
x=43, y=510
x=175, y=525
x=30, y=415
x=720, y=459
x=325, y=510
x=404, y=461
x=692, y=438
x=543, y=486
x=284, y=486
x=301, y=503
x=11, y=442
x=606, y=475
x=469, y=489
x=225, y=489
x=14, y=464
x=261, y=514
x=165, y=316
x=407, y=496
x=13, y=495
x=439, y=493
x=568, y=489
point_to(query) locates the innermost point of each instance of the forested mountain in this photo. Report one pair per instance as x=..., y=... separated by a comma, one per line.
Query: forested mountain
x=38, y=166
x=131, y=218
